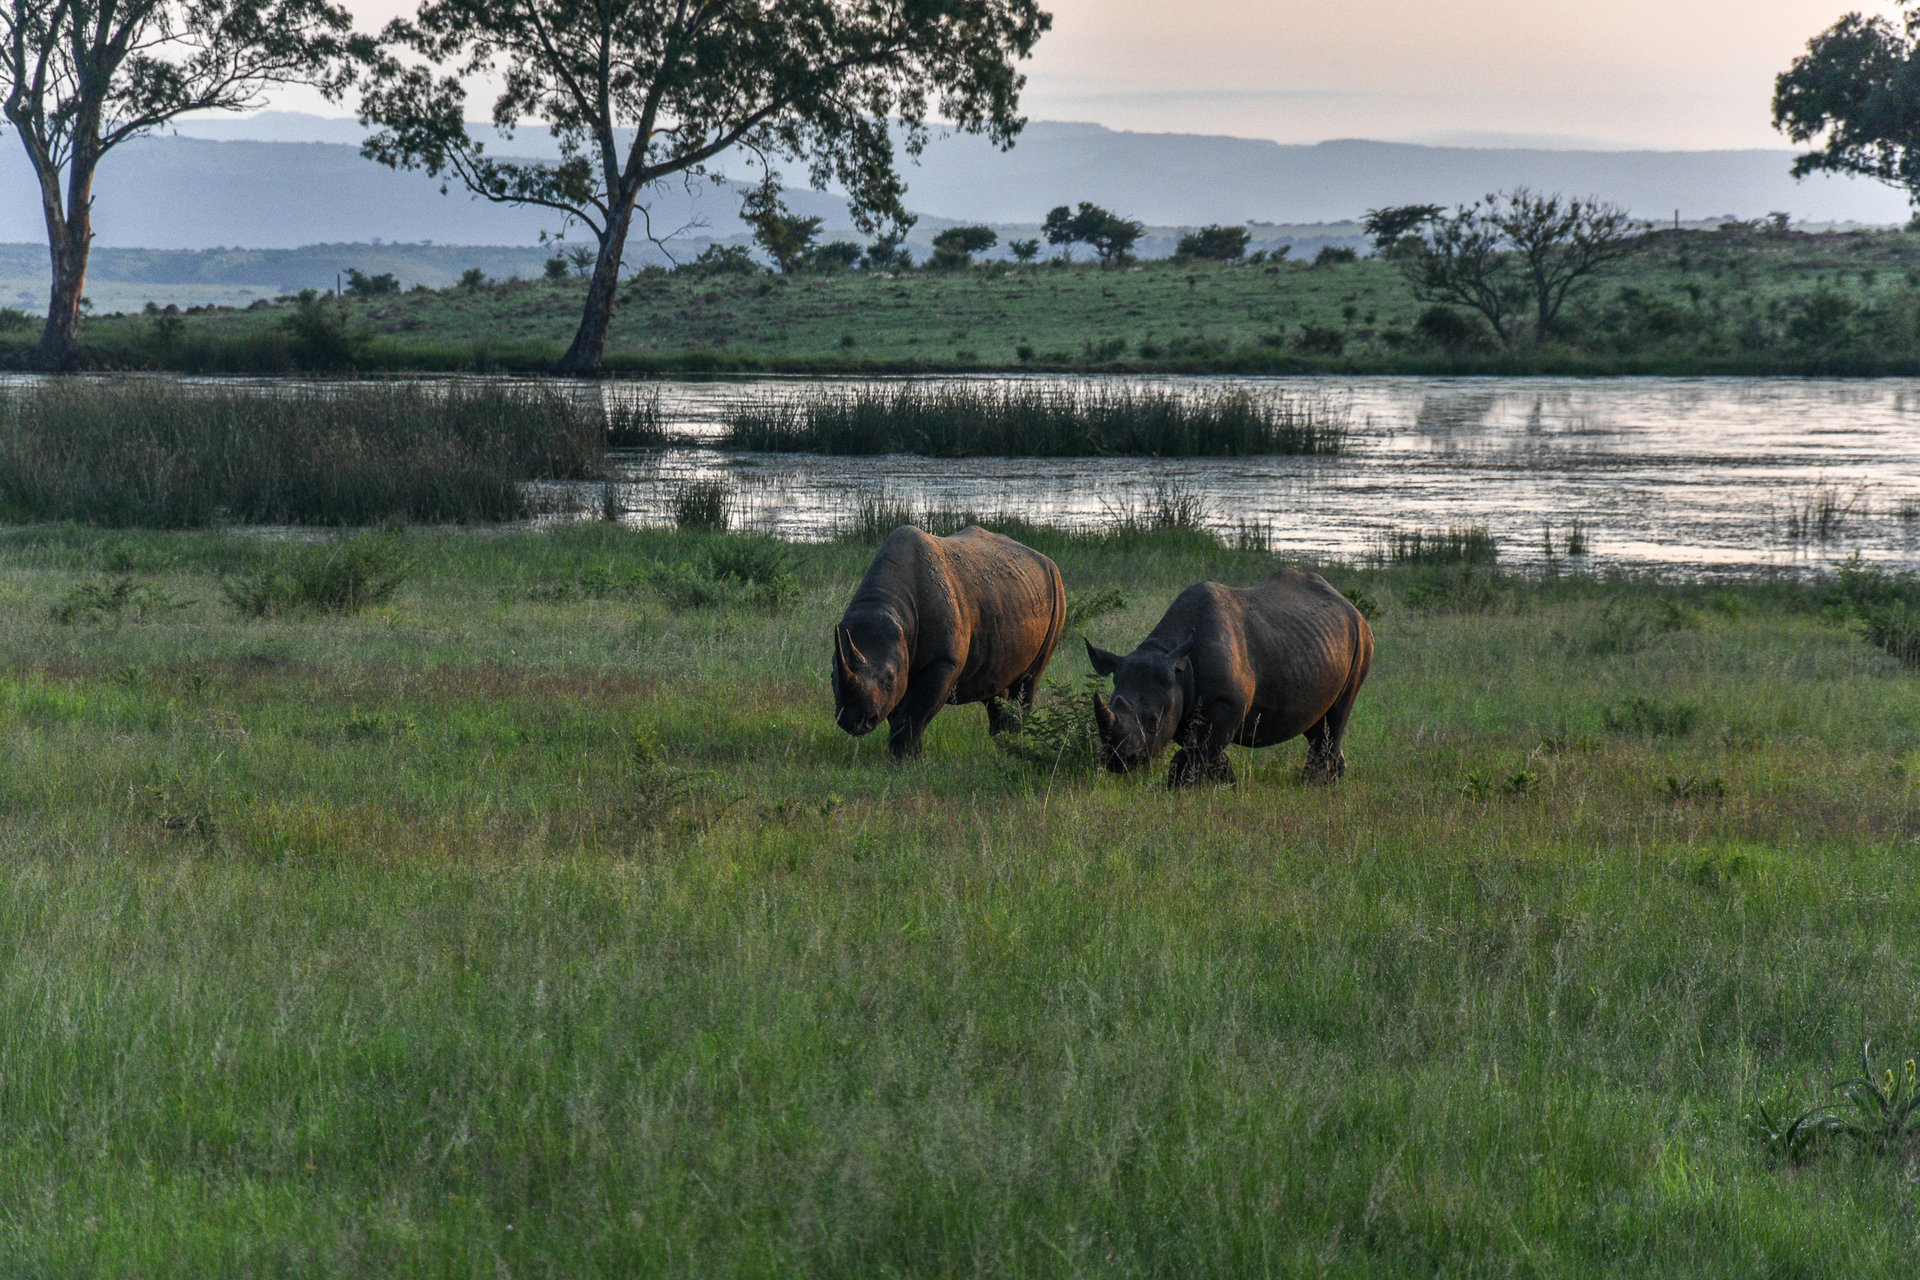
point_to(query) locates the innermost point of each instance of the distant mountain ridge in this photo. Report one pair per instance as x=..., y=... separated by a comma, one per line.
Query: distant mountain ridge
x=283, y=180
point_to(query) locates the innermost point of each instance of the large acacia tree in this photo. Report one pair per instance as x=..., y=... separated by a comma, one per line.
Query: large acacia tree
x=80, y=77
x=1856, y=91
x=639, y=91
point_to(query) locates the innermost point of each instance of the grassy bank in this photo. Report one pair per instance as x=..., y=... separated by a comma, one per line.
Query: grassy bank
x=539, y=920
x=1739, y=301
x=158, y=455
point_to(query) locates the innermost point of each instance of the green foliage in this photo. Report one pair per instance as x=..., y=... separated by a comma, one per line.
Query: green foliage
x=1024, y=251
x=324, y=337
x=1878, y=1111
x=1887, y=607
x=362, y=285
x=1852, y=92
x=1036, y=421
x=954, y=247
x=721, y=260
x=14, y=320
x=555, y=267
x=785, y=238
x=1215, y=243
x=1059, y=735
x=1334, y=256
x=1110, y=236
x=1389, y=226
x=472, y=280
x=730, y=571
x=341, y=576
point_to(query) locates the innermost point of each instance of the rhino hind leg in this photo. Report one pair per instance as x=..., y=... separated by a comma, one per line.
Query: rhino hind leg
x=1325, y=760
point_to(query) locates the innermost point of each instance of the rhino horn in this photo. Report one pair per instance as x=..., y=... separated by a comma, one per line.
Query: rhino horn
x=1102, y=716
x=854, y=655
x=840, y=643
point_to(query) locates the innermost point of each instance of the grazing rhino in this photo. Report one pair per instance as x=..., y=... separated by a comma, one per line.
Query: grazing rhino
x=1249, y=665
x=968, y=618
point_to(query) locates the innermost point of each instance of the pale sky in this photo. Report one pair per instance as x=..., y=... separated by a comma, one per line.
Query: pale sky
x=1678, y=74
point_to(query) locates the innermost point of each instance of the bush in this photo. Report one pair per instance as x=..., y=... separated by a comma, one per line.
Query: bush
x=1446, y=328
x=1333, y=256
x=1216, y=243
x=361, y=285
x=1651, y=718
x=13, y=320
x=107, y=603
x=324, y=335
x=341, y=577
x=1060, y=734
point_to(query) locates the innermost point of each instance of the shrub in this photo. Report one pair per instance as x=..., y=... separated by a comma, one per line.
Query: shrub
x=1060, y=734
x=13, y=320
x=1334, y=256
x=361, y=285
x=344, y=576
x=323, y=335
x=1082, y=609
x=1217, y=243
x=107, y=603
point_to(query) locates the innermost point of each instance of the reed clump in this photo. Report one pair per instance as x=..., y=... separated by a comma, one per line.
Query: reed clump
x=1468, y=545
x=165, y=455
x=1023, y=420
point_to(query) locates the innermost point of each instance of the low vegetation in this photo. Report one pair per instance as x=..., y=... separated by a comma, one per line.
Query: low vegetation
x=532, y=920
x=1035, y=420
x=162, y=455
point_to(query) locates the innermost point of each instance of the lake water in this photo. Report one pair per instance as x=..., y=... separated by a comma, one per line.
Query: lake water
x=1712, y=476
x=1708, y=476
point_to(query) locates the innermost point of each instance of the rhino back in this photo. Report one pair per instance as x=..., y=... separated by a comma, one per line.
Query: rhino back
x=1013, y=604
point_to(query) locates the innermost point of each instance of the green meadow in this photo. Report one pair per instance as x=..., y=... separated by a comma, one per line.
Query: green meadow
x=535, y=919
x=1734, y=301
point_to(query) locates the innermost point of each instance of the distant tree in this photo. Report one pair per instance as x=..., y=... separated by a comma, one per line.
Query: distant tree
x=721, y=260
x=955, y=247
x=1216, y=243
x=838, y=255
x=638, y=91
x=787, y=239
x=366, y=286
x=1513, y=254
x=1024, y=250
x=1389, y=226
x=472, y=280
x=80, y=77
x=1110, y=236
x=1334, y=255
x=556, y=267
x=1856, y=93
x=580, y=258
x=886, y=253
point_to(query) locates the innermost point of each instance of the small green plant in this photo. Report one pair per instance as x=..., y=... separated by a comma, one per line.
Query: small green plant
x=108, y=603
x=1651, y=718
x=343, y=577
x=1082, y=609
x=1059, y=735
x=1877, y=1110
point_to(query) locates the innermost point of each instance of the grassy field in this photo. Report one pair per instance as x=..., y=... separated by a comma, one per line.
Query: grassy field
x=539, y=922
x=1738, y=301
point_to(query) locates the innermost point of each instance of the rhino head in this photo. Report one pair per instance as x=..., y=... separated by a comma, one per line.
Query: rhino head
x=869, y=682
x=1151, y=690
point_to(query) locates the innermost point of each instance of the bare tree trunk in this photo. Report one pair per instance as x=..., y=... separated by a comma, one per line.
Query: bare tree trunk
x=590, y=342
x=69, y=243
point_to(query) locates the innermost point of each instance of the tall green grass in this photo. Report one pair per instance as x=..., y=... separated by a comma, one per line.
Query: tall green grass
x=168, y=455
x=1031, y=420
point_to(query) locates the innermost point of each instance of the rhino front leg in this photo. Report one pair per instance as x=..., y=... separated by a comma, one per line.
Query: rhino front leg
x=1203, y=754
x=927, y=692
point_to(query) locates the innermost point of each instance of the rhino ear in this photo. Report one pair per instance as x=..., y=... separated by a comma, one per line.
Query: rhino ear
x=1180, y=652
x=1103, y=662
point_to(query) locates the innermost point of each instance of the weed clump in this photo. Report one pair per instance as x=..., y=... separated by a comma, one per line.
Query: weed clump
x=1878, y=1111
x=1468, y=545
x=1039, y=422
x=1886, y=606
x=108, y=603
x=343, y=578
x=1059, y=735
x=702, y=506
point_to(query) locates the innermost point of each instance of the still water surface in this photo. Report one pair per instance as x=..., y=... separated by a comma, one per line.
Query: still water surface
x=1709, y=476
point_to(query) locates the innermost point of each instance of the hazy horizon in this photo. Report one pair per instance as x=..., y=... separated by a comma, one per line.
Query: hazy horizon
x=1653, y=74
